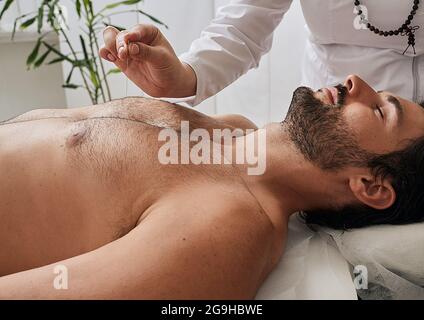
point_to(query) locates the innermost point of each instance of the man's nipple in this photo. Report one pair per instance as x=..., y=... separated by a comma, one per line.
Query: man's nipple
x=76, y=137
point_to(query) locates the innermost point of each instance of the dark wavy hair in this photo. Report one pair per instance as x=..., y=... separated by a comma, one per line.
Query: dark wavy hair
x=405, y=169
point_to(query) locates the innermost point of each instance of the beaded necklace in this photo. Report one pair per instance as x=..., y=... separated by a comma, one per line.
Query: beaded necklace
x=405, y=30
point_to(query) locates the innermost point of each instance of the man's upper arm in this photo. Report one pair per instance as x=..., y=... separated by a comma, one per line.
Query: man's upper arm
x=170, y=255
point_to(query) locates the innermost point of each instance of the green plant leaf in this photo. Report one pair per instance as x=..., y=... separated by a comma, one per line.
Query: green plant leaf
x=70, y=86
x=81, y=63
x=93, y=74
x=27, y=23
x=87, y=3
x=78, y=7
x=152, y=18
x=68, y=78
x=34, y=53
x=84, y=48
x=93, y=78
x=91, y=8
x=115, y=26
x=40, y=60
x=51, y=14
x=114, y=71
x=60, y=54
x=57, y=60
x=88, y=6
x=15, y=25
x=117, y=4
x=5, y=7
x=40, y=18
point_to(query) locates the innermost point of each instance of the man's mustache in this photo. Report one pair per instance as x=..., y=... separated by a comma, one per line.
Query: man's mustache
x=341, y=96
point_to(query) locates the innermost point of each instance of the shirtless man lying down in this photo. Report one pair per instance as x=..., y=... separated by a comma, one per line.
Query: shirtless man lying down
x=84, y=189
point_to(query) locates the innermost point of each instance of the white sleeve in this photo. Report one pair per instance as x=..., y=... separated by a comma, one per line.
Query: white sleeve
x=233, y=43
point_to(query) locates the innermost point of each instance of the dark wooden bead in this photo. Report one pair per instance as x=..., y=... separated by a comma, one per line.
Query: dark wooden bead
x=415, y=7
x=391, y=32
x=396, y=32
x=357, y=3
x=359, y=12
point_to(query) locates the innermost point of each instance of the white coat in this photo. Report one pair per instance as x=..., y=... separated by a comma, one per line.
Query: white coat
x=242, y=33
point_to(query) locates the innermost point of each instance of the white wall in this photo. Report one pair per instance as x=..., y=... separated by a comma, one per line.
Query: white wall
x=263, y=94
x=22, y=90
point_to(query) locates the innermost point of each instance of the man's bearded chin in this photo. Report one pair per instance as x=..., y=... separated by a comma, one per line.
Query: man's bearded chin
x=320, y=132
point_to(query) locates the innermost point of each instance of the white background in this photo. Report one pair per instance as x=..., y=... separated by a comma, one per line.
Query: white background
x=262, y=95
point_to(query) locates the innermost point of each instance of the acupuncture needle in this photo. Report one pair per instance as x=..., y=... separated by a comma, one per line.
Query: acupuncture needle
x=128, y=64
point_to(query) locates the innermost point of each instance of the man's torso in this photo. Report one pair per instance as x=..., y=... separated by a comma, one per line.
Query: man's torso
x=74, y=180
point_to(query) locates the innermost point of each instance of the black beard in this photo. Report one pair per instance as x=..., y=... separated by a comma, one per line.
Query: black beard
x=320, y=132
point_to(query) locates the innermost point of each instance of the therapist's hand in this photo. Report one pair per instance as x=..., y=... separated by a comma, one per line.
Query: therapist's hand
x=149, y=61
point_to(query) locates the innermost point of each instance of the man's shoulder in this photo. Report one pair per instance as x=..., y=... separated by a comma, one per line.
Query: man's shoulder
x=236, y=121
x=216, y=232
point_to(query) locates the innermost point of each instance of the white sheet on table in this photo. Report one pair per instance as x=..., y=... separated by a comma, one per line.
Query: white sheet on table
x=311, y=268
x=393, y=256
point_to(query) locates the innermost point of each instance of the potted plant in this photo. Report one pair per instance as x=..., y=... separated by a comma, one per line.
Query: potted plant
x=52, y=13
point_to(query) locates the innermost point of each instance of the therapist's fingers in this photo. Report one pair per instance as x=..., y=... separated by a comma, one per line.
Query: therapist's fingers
x=109, y=36
x=107, y=55
x=142, y=52
x=139, y=51
x=108, y=51
x=145, y=33
x=121, y=45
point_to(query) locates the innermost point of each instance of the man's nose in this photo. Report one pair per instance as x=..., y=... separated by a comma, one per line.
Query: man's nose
x=356, y=86
x=352, y=85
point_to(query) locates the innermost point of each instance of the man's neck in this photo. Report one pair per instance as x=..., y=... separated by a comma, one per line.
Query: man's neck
x=289, y=183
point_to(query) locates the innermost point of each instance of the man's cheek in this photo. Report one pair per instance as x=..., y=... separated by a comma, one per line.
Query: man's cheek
x=363, y=128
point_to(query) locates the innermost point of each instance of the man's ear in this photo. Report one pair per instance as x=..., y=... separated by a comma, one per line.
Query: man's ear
x=376, y=193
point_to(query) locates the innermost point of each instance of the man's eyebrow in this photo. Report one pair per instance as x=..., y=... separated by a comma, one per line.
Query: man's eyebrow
x=399, y=108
